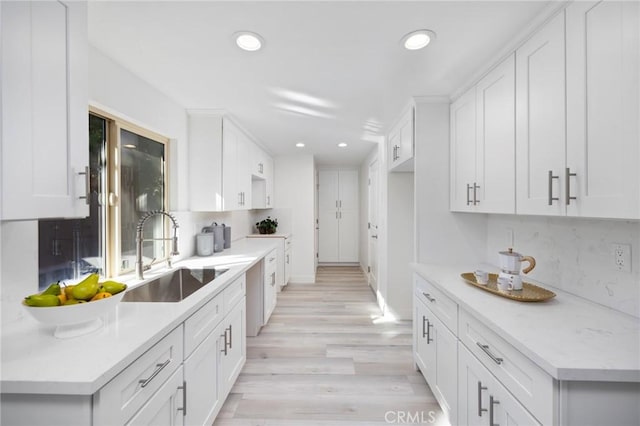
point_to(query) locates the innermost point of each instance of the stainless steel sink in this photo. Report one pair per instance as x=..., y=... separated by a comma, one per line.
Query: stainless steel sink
x=173, y=286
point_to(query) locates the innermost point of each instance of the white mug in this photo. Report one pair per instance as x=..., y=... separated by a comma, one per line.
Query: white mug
x=509, y=282
x=482, y=277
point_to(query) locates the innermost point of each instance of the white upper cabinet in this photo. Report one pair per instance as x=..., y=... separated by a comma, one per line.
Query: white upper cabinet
x=261, y=178
x=463, y=152
x=221, y=158
x=582, y=159
x=401, y=142
x=495, y=149
x=45, y=147
x=483, y=144
x=205, y=162
x=540, y=121
x=603, y=137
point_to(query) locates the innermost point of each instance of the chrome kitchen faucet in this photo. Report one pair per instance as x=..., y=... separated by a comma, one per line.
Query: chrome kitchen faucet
x=140, y=240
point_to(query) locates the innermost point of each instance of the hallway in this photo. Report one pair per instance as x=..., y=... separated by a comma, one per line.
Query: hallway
x=327, y=358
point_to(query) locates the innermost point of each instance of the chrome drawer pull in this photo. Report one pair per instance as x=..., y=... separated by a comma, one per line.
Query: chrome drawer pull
x=468, y=188
x=159, y=367
x=230, y=337
x=87, y=185
x=429, y=325
x=184, y=399
x=567, y=178
x=480, y=389
x=226, y=342
x=428, y=296
x=550, y=190
x=485, y=349
x=492, y=402
x=424, y=329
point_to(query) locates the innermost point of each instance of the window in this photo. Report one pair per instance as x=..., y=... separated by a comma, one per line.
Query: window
x=128, y=171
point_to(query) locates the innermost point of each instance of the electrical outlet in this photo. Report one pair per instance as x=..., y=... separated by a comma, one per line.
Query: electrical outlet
x=622, y=257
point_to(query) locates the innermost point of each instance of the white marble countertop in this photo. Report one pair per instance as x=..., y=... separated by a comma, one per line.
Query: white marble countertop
x=568, y=337
x=34, y=361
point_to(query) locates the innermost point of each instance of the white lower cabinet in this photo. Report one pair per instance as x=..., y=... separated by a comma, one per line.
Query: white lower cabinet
x=270, y=288
x=483, y=400
x=233, y=351
x=435, y=355
x=166, y=407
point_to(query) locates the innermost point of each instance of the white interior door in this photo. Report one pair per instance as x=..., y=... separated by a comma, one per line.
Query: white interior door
x=373, y=225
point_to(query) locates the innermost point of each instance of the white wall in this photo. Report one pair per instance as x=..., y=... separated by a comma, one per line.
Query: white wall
x=574, y=255
x=294, y=189
x=442, y=236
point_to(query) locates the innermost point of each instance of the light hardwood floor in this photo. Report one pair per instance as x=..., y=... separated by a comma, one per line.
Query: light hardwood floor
x=327, y=358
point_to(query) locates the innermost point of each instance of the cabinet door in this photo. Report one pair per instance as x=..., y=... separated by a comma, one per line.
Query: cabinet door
x=473, y=390
x=233, y=358
x=394, y=147
x=348, y=196
x=603, y=94
x=287, y=266
x=540, y=121
x=348, y=236
x=45, y=137
x=165, y=407
x=495, y=152
x=406, y=137
x=328, y=190
x=206, y=163
x=270, y=294
x=423, y=341
x=204, y=398
x=463, y=151
x=243, y=172
x=230, y=190
x=328, y=236
x=446, y=380
x=269, y=177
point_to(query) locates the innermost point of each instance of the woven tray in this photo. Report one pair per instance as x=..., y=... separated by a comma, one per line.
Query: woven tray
x=529, y=292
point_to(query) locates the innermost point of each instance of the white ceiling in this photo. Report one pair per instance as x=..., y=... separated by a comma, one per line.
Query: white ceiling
x=329, y=72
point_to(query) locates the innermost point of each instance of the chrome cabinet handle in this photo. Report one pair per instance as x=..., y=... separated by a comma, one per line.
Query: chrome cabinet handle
x=226, y=343
x=340, y=203
x=273, y=279
x=475, y=198
x=424, y=328
x=567, y=177
x=144, y=382
x=87, y=185
x=287, y=259
x=374, y=236
x=184, y=399
x=485, y=349
x=429, y=325
x=468, y=199
x=492, y=402
x=268, y=200
x=551, y=178
x=480, y=389
x=428, y=296
x=230, y=336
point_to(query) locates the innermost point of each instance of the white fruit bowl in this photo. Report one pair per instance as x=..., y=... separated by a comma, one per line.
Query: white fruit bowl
x=78, y=319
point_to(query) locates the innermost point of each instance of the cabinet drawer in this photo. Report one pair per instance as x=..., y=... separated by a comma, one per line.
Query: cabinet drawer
x=121, y=398
x=534, y=388
x=198, y=326
x=234, y=293
x=270, y=260
x=442, y=305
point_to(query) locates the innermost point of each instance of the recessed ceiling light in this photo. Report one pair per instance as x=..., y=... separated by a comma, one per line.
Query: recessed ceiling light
x=300, y=145
x=130, y=146
x=418, y=39
x=249, y=41
x=342, y=145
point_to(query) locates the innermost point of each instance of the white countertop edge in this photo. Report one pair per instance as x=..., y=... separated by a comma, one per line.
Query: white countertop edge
x=557, y=372
x=30, y=383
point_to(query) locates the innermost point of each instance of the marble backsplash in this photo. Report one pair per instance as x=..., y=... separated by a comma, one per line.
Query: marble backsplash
x=574, y=255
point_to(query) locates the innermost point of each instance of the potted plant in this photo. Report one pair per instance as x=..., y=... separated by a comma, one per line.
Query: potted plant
x=267, y=226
